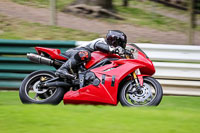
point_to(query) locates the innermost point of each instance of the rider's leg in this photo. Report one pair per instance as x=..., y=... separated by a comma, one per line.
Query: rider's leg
x=67, y=69
x=64, y=70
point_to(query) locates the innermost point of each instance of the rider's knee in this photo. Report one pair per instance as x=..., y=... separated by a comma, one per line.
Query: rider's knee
x=83, y=56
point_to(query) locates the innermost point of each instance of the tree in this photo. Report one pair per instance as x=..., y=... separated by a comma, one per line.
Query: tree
x=125, y=2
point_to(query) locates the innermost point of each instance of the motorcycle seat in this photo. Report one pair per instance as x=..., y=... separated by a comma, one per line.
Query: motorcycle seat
x=65, y=56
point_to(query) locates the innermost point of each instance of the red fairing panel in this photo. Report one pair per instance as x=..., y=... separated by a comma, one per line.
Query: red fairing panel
x=89, y=95
x=98, y=56
x=54, y=53
x=106, y=93
x=149, y=68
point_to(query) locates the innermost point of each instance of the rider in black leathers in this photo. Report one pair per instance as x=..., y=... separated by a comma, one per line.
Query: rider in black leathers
x=82, y=54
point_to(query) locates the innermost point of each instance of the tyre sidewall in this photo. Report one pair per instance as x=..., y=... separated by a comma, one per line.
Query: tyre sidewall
x=157, y=99
x=54, y=99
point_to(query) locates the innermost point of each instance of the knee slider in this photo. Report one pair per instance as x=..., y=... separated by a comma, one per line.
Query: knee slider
x=83, y=56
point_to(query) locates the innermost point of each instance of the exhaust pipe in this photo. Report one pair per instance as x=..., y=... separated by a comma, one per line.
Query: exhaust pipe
x=43, y=60
x=39, y=59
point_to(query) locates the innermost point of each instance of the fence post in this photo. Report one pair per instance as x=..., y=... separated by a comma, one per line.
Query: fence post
x=53, y=17
x=191, y=22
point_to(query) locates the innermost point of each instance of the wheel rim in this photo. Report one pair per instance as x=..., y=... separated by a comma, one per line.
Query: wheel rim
x=147, y=94
x=35, y=93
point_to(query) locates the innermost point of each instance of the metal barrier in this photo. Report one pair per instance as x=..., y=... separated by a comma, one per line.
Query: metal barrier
x=177, y=66
x=14, y=65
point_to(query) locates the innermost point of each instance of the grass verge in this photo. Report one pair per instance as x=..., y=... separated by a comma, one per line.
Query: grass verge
x=18, y=29
x=174, y=115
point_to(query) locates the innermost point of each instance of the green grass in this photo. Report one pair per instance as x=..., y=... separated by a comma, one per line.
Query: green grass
x=18, y=29
x=174, y=115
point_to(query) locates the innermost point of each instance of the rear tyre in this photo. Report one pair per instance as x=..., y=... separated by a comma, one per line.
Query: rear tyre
x=30, y=92
x=150, y=95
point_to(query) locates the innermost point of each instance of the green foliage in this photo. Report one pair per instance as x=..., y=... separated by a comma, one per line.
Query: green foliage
x=175, y=114
x=17, y=29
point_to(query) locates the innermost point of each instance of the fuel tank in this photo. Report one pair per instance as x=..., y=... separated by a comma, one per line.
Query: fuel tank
x=97, y=56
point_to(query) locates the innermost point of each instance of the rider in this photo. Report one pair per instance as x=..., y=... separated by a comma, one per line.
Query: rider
x=82, y=54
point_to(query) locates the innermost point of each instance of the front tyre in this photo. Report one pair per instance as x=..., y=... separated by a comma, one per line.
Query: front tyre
x=30, y=92
x=150, y=95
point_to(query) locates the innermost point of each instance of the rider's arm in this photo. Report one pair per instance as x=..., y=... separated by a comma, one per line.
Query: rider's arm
x=103, y=47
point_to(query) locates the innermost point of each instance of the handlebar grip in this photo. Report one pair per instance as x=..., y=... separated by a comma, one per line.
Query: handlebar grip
x=128, y=52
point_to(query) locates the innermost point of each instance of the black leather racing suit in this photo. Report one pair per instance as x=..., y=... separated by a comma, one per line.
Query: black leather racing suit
x=76, y=58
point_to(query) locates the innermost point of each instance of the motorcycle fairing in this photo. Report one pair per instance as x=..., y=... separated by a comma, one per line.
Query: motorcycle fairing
x=97, y=56
x=54, y=53
x=110, y=75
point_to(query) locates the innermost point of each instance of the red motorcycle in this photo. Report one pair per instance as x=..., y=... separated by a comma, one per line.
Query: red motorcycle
x=123, y=77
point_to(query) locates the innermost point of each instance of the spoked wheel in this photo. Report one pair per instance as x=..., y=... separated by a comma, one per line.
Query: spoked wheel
x=149, y=95
x=31, y=91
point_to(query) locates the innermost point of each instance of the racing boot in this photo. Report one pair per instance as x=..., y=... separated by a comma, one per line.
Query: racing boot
x=64, y=73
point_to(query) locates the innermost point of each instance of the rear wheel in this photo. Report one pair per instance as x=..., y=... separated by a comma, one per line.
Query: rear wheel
x=31, y=92
x=149, y=95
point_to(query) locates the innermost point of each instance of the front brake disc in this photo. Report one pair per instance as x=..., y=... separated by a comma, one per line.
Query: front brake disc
x=146, y=93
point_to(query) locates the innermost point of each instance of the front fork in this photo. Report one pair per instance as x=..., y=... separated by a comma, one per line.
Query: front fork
x=137, y=78
x=138, y=82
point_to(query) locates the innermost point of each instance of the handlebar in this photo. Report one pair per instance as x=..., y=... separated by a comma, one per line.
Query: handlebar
x=123, y=52
x=128, y=52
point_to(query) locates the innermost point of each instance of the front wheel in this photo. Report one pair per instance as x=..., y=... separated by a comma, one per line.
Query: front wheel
x=30, y=92
x=150, y=93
